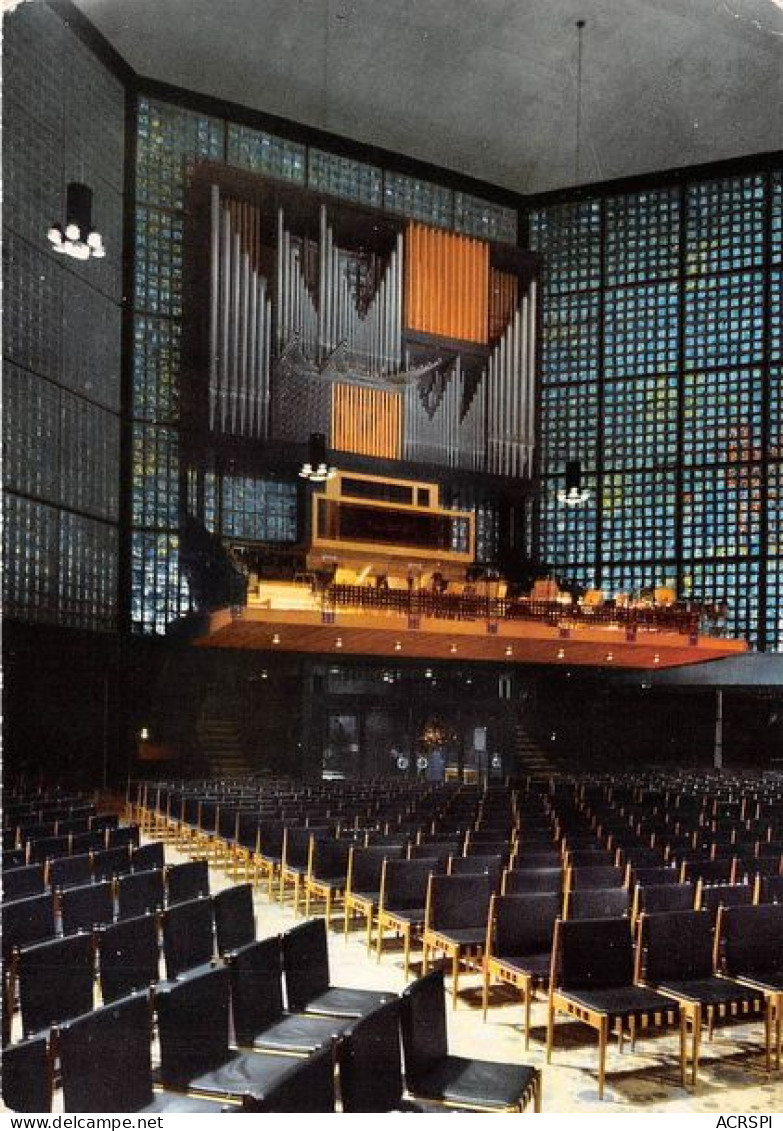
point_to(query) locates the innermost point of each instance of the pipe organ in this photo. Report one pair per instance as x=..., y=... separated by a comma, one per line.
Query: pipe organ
x=396, y=340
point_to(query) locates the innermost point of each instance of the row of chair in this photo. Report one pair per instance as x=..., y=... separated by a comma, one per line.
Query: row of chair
x=105, y=1059
x=40, y=850
x=63, y=872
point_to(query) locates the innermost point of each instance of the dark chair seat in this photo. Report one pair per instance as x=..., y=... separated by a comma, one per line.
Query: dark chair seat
x=624, y=1001
x=245, y=1074
x=463, y=936
x=711, y=991
x=176, y=1104
x=770, y=981
x=342, y=1001
x=537, y=965
x=297, y=1034
x=407, y=914
x=476, y=1082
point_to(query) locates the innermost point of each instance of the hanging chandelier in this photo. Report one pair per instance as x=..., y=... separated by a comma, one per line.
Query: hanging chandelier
x=78, y=238
x=316, y=468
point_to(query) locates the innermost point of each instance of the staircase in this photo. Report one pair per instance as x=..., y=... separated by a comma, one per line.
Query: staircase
x=531, y=759
x=220, y=738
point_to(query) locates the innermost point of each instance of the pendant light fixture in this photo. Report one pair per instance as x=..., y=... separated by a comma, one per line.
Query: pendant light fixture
x=78, y=239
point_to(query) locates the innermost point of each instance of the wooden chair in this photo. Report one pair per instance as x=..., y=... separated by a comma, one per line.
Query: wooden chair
x=455, y=921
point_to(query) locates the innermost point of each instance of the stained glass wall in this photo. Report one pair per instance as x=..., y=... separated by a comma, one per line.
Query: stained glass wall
x=63, y=120
x=169, y=140
x=660, y=371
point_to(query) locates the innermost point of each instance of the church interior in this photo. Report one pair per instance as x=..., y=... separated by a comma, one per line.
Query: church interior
x=392, y=556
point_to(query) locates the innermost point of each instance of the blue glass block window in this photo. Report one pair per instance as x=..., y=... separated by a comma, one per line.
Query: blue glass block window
x=721, y=508
x=31, y=559
x=642, y=237
x=155, y=477
x=31, y=433
x=640, y=422
x=724, y=321
x=775, y=510
x=266, y=153
x=774, y=608
x=158, y=264
x=638, y=516
x=631, y=577
x=89, y=457
x=733, y=585
x=568, y=533
x=487, y=530
x=641, y=330
x=568, y=237
x=776, y=413
x=262, y=510
x=344, y=177
x=170, y=139
x=570, y=338
x=725, y=225
x=722, y=416
x=88, y=572
x=776, y=316
x=156, y=368
x=484, y=219
x=419, y=200
x=569, y=415
x=777, y=218
x=160, y=592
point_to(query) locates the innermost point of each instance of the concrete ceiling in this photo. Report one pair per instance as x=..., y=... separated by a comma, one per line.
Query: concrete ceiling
x=483, y=87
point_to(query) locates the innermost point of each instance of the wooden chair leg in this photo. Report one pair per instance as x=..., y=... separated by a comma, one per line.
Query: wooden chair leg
x=454, y=977
x=407, y=942
x=603, y=1038
x=696, y=1023
x=710, y=1022
x=527, y=990
x=369, y=931
x=768, y=1032
x=683, y=1048
x=550, y=1026
x=485, y=991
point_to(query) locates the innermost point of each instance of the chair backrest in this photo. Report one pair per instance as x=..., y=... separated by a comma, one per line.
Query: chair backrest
x=365, y=866
x=308, y=1086
x=82, y=843
x=423, y=1025
x=439, y=850
x=523, y=924
x=187, y=881
x=193, y=1017
x=328, y=859
x=656, y=876
x=370, y=1062
x=128, y=957
x=544, y=881
x=102, y=821
x=70, y=871
x=663, y=897
x=457, y=902
x=593, y=954
x=140, y=893
x=676, y=946
x=126, y=834
x=270, y=834
x=305, y=962
x=188, y=938
x=404, y=883
x=769, y=889
x=256, y=987
x=235, y=921
x=598, y=903
x=148, y=857
x=19, y=883
x=751, y=939
x=599, y=876
x=55, y=981
x=491, y=866
x=27, y=1076
x=111, y=862
x=709, y=897
x=296, y=846
x=711, y=871
x=47, y=847
x=27, y=921
x=105, y=1058
x=86, y=907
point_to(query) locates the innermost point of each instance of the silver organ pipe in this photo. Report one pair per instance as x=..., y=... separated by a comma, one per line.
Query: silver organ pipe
x=239, y=322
